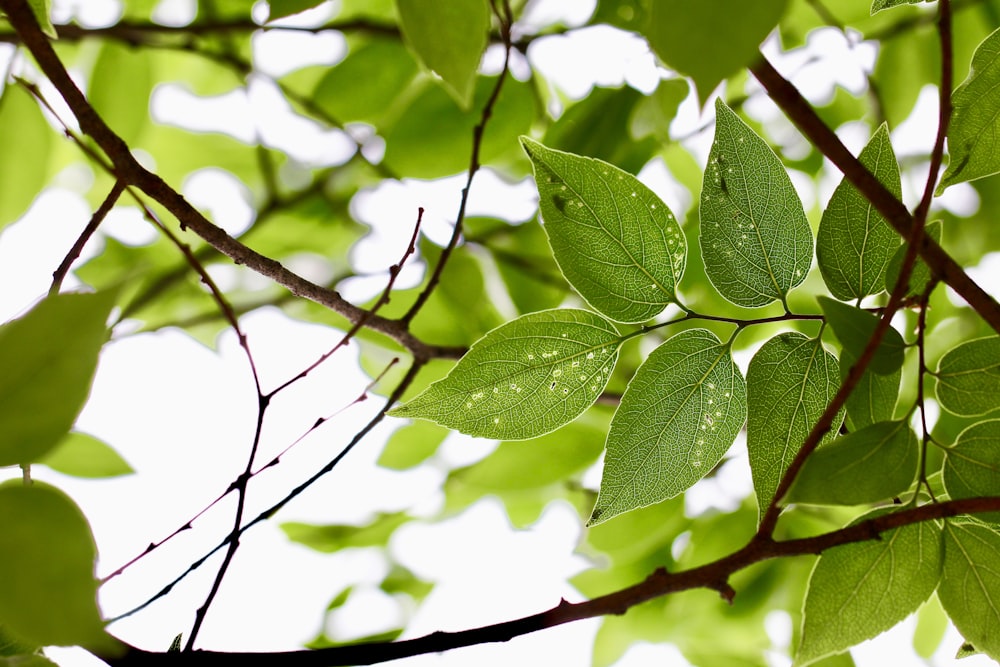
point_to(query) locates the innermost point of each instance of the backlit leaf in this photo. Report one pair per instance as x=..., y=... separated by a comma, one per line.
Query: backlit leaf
x=859, y=590
x=973, y=148
x=525, y=378
x=331, y=538
x=614, y=240
x=41, y=9
x=876, y=463
x=48, y=359
x=122, y=70
x=970, y=583
x=921, y=274
x=854, y=328
x=874, y=397
x=411, y=445
x=854, y=243
x=26, y=139
x=282, y=8
x=83, y=455
x=755, y=238
x=968, y=377
x=972, y=464
x=790, y=381
x=879, y=5
x=678, y=417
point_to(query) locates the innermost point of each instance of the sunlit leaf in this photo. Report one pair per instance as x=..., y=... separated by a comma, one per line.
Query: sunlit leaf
x=972, y=464
x=790, y=381
x=755, y=238
x=854, y=328
x=282, y=8
x=854, y=243
x=879, y=5
x=875, y=463
x=449, y=37
x=411, y=445
x=330, y=538
x=122, y=70
x=26, y=139
x=932, y=624
x=970, y=583
x=83, y=455
x=968, y=377
x=525, y=378
x=615, y=241
x=859, y=590
x=48, y=359
x=975, y=122
x=678, y=417
x=41, y=9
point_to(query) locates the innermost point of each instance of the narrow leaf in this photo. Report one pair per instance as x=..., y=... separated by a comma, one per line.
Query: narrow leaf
x=970, y=584
x=755, y=238
x=874, y=397
x=876, y=463
x=48, y=359
x=972, y=464
x=974, y=151
x=859, y=590
x=790, y=381
x=615, y=241
x=968, y=378
x=41, y=10
x=449, y=38
x=330, y=538
x=854, y=243
x=678, y=417
x=525, y=378
x=854, y=328
x=83, y=455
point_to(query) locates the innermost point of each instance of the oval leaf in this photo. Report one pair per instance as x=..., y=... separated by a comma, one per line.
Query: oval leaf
x=790, y=381
x=614, y=240
x=968, y=378
x=921, y=274
x=755, y=238
x=854, y=243
x=525, y=378
x=874, y=397
x=972, y=464
x=678, y=417
x=48, y=359
x=854, y=328
x=859, y=590
x=970, y=583
x=876, y=463
x=83, y=455
x=24, y=132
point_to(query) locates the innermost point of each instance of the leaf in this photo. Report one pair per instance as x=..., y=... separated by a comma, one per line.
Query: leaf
x=854, y=243
x=755, y=239
x=968, y=377
x=411, y=445
x=970, y=583
x=281, y=8
x=975, y=121
x=46, y=540
x=677, y=419
x=932, y=624
x=83, y=455
x=331, y=538
x=879, y=5
x=921, y=274
x=972, y=464
x=615, y=241
x=26, y=139
x=525, y=378
x=41, y=9
x=874, y=397
x=49, y=357
x=29, y=660
x=790, y=381
x=694, y=39
x=876, y=463
x=449, y=38
x=854, y=328
x=120, y=68
x=859, y=590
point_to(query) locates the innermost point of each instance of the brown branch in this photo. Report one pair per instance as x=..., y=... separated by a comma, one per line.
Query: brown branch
x=95, y=221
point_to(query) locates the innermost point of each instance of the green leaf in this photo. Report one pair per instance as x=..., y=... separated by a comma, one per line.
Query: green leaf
x=83, y=455
x=331, y=538
x=921, y=274
x=968, y=378
x=755, y=238
x=449, y=38
x=854, y=328
x=122, y=71
x=854, y=243
x=615, y=241
x=859, y=590
x=47, y=541
x=879, y=5
x=26, y=139
x=525, y=378
x=677, y=419
x=932, y=624
x=49, y=357
x=876, y=463
x=975, y=121
x=972, y=464
x=411, y=445
x=874, y=397
x=790, y=381
x=41, y=10
x=30, y=660
x=282, y=8
x=970, y=583
x=694, y=39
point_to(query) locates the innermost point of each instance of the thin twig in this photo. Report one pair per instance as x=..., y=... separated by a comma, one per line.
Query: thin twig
x=95, y=221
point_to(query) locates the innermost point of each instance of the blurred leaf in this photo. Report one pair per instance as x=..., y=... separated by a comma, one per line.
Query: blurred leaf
x=790, y=381
x=615, y=241
x=83, y=455
x=932, y=624
x=873, y=464
x=879, y=5
x=525, y=378
x=854, y=243
x=41, y=9
x=411, y=445
x=30, y=660
x=755, y=239
x=449, y=37
x=968, y=377
x=24, y=161
x=331, y=538
x=677, y=419
x=970, y=583
x=906, y=62
x=120, y=84
x=854, y=328
x=654, y=113
x=859, y=590
x=49, y=357
x=282, y=8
